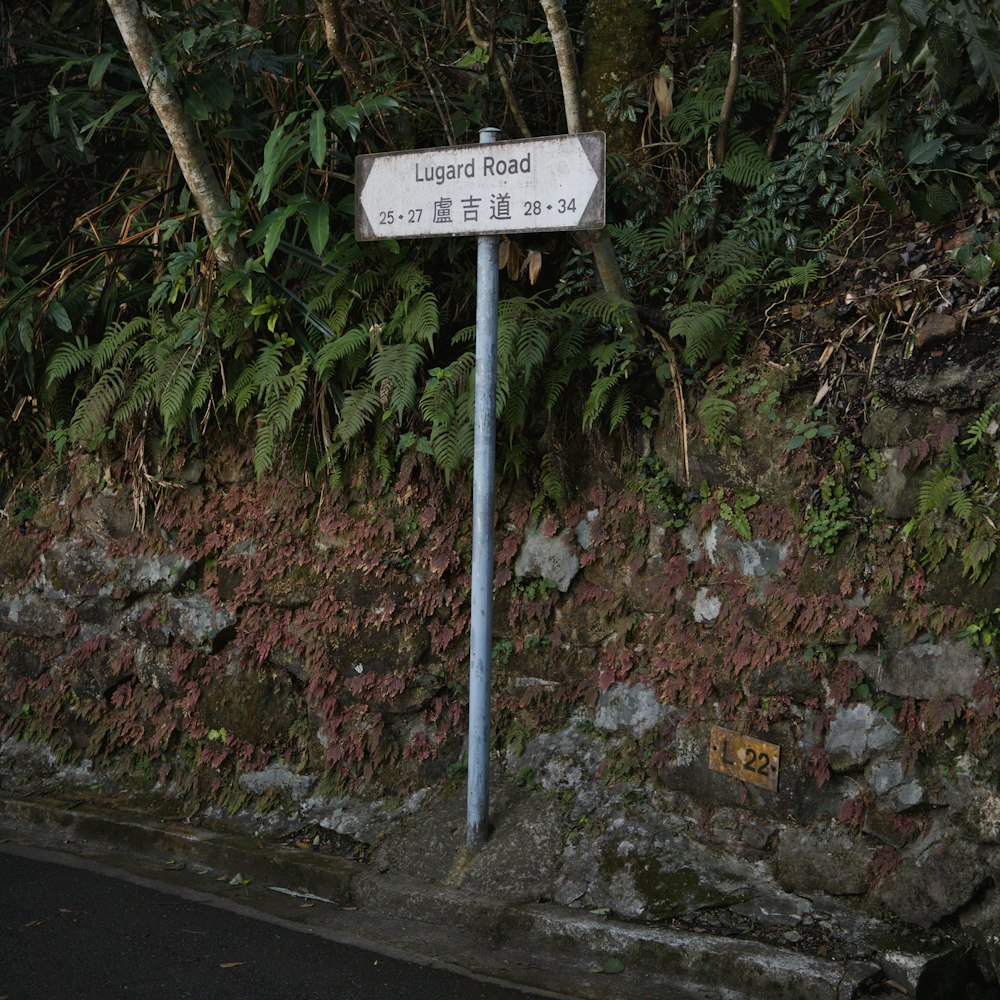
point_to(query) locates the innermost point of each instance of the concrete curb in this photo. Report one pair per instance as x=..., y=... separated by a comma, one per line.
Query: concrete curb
x=539, y=946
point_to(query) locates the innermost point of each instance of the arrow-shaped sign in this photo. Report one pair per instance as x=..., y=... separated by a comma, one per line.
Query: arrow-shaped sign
x=520, y=186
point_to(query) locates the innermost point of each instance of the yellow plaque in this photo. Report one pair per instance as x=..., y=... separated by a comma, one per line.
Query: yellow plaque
x=744, y=758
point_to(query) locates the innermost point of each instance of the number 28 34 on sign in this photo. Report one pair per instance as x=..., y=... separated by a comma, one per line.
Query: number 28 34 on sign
x=744, y=758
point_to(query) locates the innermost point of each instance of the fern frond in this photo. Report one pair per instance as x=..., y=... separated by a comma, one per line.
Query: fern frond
x=619, y=407
x=599, y=395
x=703, y=329
x=94, y=413
x=799, y=276
x=715, y=412
x=140, y=394
x=177, y=378
x=397, y=366
x=551, y=479
x=746, y=163
x=67, y=359
x=120, y=342
x=980, y=427
x=336, y=350
x=420, y=322
x=606, y=307
x=936, y=493
x=358, y=408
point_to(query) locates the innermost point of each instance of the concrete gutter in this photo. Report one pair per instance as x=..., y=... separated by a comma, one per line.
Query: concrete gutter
x=553, y=950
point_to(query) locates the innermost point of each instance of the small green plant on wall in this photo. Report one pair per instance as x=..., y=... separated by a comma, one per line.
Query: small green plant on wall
x=956, y=508
x=654, y=481
x=733, y=508
x=828, y=518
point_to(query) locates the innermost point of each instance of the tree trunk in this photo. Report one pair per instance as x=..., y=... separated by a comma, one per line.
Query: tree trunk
x=181, y=131
x=335, y=32
x=619, y=52
x=605, y=258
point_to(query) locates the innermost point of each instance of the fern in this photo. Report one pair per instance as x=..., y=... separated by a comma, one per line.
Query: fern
x=396, y=366
x=715, y=413
x=67, y=359
x=551, y=479
x=420, y=319
x=282, y=399
x=359, y=406
x=937, y=493
x=337, y=350
x=982, y=426
x=116, y=346
x=93, y=417
x=605, y=307
x=955, y=518
x=799, y=276
x=746, y=164
x=602, y=392
x=703, y=328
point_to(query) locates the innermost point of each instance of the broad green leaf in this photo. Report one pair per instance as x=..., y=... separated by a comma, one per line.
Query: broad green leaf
x=317, y=216
x=983, y=43
x=915, y=10
x=98, y=69
x=927, y=151
x=477, y=57
x=59, y=316
x=271, y=228
x=780, y=10
x=98, y=123
x=216, y=87
x=863, y=62
x=195, y=106
x=317, y=138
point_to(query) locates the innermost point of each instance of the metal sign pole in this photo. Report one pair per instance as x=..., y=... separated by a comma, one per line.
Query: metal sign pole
x=483, y=483
x=552, y=184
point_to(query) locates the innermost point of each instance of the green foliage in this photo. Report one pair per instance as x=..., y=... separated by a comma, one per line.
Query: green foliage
x=981, y=254
x=733, y=508
x=828, y=519
x=716, y=412
x=807, y=428
x=114, y=316
x=884, y=704
x=936, y=40
x=956, y=508
x=667, y=497
x=984, y=631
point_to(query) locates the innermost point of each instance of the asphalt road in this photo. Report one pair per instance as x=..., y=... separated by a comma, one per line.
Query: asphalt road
x=70, y=931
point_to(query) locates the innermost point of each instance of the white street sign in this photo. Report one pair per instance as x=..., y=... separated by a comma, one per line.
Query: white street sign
x=519, y=186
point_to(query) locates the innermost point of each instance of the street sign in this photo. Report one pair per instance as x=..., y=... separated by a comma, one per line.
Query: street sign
x=518, y=186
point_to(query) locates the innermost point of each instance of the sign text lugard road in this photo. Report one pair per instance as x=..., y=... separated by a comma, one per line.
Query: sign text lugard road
x=491, y=167
x=524, y=185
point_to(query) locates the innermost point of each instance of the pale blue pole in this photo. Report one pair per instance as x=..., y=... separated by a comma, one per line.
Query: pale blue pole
x=483, y=484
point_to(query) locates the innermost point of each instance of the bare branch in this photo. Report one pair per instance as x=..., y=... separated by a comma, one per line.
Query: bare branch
x=566, y=60
x=497, y=62
x=734, y=78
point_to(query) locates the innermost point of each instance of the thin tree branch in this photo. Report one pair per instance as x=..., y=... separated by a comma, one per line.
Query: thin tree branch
x=192, y=157
x=566, y=60
x=734, y=78
x=497, y=62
